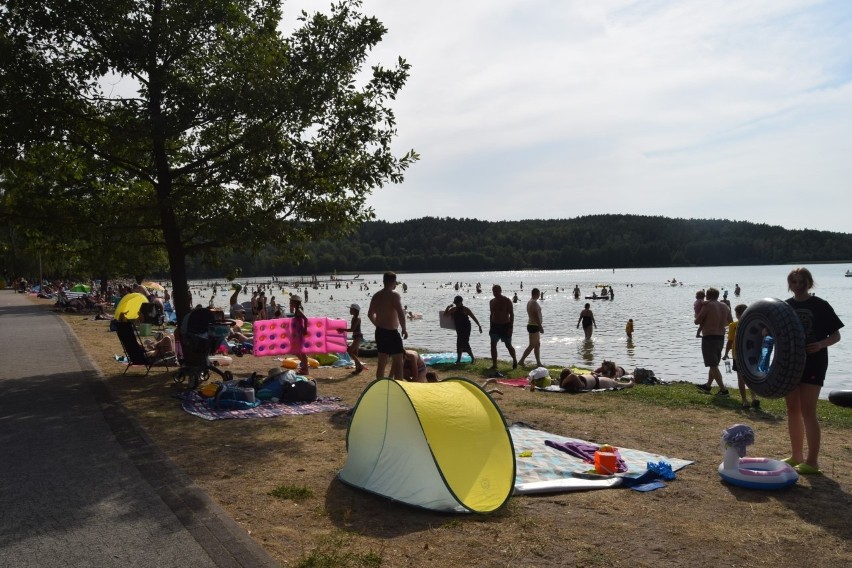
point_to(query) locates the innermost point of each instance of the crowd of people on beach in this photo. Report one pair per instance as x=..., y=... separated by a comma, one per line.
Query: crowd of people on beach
x=717, y=327
x=712, y=315
x=821, y=328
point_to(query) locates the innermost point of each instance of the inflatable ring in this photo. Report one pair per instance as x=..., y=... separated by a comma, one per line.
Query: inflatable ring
x=368, y=349
x=841, y=398
x=788, y=360
x=760, y=473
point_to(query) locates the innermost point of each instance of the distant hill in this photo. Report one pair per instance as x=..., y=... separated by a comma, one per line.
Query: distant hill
x=447, y=244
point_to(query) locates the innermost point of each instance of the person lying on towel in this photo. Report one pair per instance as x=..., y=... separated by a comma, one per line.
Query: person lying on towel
x=573, y=382
x=610, y=369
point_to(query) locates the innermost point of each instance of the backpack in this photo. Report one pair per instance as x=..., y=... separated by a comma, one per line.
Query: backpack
x=300, y=390
x=644, y=376
x=287, y=387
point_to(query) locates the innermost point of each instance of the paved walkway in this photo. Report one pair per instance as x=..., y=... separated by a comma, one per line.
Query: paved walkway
x=80, y=483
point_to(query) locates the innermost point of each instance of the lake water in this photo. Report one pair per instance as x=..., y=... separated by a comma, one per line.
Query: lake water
x=664, y=334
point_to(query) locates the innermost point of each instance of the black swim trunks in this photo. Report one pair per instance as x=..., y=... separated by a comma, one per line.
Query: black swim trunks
x=711, y=349
x=501, y=332
x=388, y=341
x=533, y=328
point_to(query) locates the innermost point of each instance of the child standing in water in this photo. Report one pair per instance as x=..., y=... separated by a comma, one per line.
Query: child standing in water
x=628, y=329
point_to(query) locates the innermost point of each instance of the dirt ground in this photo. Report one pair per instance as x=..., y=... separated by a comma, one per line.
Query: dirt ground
x=696, y=520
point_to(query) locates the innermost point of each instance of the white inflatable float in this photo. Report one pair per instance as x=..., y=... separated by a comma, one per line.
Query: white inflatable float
x=753, y=473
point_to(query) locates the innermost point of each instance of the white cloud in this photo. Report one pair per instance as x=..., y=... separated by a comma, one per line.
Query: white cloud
x=682, y=108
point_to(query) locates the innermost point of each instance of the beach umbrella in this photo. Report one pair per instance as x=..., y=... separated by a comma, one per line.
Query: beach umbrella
x=153, y=286
x=81, y=288
x=130, y=304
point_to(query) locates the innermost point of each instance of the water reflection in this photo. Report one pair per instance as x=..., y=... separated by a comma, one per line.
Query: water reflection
x=586, y=352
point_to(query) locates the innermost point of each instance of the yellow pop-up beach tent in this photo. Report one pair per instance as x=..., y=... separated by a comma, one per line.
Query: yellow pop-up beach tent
x=441, y=446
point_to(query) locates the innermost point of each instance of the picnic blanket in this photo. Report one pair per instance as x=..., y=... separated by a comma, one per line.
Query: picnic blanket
x=195, y=404
x=541, y=468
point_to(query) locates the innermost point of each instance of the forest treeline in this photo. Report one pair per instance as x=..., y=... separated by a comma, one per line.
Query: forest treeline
x=432, y=244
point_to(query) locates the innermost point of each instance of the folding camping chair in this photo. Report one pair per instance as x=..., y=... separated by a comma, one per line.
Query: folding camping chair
x=135, y=351
x=200, y=334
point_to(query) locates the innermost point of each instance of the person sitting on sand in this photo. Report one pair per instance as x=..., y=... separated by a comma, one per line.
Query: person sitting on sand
x=610, y=369
x=573, y=382
x=235, y=332
x=413, y=367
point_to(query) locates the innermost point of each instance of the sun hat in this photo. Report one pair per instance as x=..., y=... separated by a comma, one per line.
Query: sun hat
x=355, y=307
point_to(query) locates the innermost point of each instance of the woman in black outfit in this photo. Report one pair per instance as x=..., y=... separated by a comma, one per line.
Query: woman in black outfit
x=461, y=318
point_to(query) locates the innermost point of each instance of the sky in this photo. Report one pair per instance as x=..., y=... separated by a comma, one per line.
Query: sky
x=554, y=109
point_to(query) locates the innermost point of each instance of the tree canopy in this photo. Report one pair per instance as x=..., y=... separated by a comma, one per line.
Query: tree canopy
x=191, y=127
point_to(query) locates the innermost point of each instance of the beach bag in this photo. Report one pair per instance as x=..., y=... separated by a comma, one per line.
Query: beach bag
x=273, y=385
x=644, y=376
x=288, y=387
x=540, y=377
x=300, y=390
x=234, y=397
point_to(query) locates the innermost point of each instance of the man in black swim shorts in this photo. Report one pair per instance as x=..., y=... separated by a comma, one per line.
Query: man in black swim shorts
x=387, y=315
x=502, y=321
x=535, y=328
x=388, y=341
x=713, y=318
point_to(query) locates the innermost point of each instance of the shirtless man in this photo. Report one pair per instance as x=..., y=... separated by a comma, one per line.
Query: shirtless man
x=713, y=318
x=387, y=315
x=534, y=328
x=502, y=320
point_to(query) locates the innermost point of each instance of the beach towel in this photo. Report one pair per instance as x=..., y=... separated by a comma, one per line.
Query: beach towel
x=541, y=468
x=195, y=404
x=557, y=388
x=443, y=358
x=585, y=452
x=522, y=382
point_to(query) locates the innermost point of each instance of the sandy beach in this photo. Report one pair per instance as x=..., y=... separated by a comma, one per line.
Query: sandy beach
x=695, y=521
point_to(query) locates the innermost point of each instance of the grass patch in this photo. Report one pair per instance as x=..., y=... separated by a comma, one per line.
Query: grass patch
x=686, y=396
x=292, y=493
x=333, y=552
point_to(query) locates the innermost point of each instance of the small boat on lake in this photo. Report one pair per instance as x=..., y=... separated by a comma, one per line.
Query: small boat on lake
x=848, y=273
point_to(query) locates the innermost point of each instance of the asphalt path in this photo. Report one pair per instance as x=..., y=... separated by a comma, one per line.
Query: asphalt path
x=81, y=484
